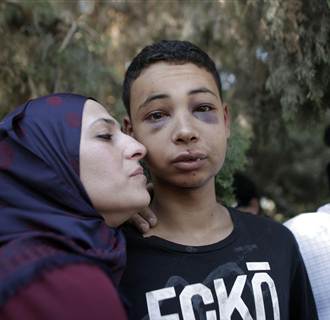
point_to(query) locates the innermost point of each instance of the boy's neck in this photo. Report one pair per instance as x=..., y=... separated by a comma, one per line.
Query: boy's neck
x=189, y=216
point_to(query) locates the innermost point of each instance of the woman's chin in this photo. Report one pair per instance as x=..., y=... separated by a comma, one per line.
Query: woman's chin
x=117, y=216
x=142, y=201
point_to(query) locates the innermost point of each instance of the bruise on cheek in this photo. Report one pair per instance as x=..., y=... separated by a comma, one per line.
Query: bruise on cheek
x=156, y=125
x=208, y=117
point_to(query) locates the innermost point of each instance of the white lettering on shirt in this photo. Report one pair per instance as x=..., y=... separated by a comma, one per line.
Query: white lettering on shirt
x=153, y=299
x=186, y=301
x=228, y=303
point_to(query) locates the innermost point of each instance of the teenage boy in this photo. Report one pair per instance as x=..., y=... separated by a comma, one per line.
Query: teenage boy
x=202, y=260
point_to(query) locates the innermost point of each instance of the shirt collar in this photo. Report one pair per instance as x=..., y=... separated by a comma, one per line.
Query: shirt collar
x=325, y=208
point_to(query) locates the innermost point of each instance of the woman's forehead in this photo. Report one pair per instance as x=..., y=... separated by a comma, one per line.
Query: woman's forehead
x=94, y=112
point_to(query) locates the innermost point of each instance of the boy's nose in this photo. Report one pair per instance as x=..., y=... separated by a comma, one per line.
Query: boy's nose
x=184, y=131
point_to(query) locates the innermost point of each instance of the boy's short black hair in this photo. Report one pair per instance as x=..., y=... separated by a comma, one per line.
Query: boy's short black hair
x=171, y=51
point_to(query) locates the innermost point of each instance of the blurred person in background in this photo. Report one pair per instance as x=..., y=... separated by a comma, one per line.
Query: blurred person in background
x=312, y=231
x=246, y=194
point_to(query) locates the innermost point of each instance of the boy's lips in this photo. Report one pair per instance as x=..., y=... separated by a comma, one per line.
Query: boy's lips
x=189, y=161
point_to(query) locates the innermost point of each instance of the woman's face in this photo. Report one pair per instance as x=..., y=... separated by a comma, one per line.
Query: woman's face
x=109, y=166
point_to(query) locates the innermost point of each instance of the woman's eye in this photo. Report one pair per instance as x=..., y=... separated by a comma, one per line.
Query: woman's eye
x=156, y=116
x=203, y=108
x=105, y=136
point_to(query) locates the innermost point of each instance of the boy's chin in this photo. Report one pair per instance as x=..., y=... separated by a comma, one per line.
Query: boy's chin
x=189, y=182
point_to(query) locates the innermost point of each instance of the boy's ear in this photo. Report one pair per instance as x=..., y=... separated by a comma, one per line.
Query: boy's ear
x=127, y=126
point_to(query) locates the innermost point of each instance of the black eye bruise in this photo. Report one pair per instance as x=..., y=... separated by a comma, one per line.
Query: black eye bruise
x=208, y=117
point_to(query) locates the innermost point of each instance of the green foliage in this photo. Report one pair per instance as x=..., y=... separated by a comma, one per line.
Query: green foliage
x=235, y=161
x=300, y=57
x=47, y=48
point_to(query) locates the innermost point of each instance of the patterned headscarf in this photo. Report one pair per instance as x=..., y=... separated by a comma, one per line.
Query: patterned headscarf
x=46, y=216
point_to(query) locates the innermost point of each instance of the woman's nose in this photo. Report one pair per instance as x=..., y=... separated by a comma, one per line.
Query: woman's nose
x=134, y=149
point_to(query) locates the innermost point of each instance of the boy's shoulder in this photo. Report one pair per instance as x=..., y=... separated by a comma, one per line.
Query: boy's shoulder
x=259, y=224
x=247, y=227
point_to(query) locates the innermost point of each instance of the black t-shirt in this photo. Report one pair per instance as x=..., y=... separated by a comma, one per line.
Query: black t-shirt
x=256, y=273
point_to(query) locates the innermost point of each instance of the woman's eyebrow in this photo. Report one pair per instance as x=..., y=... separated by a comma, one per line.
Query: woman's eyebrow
x=107, y=121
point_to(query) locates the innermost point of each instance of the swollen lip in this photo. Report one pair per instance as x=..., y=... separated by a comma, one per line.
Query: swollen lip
x=189, y=165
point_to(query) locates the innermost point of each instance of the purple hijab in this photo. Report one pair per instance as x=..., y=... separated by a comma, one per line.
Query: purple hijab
x=46, y=217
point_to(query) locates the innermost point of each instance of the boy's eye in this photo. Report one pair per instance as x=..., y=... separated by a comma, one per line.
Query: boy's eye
x=105, y=136
x=203, y=108
x=156, y=116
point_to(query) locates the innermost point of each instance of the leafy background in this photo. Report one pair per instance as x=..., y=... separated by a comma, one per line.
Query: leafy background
x=273, y=57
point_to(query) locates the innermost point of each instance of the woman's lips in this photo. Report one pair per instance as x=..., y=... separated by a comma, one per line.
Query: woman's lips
x=138, y=175
x=137, y=172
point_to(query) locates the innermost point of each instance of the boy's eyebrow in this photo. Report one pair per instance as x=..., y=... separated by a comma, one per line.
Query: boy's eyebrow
x=154, y=97
x=166, y=96
x=201, y=90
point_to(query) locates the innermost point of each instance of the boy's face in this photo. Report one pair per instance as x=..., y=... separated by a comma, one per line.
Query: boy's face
x=176, y=112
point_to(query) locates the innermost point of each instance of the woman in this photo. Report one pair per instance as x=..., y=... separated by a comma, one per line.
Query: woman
x=67, y=172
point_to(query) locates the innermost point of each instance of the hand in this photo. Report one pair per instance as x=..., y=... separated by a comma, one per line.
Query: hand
x=144, y=220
